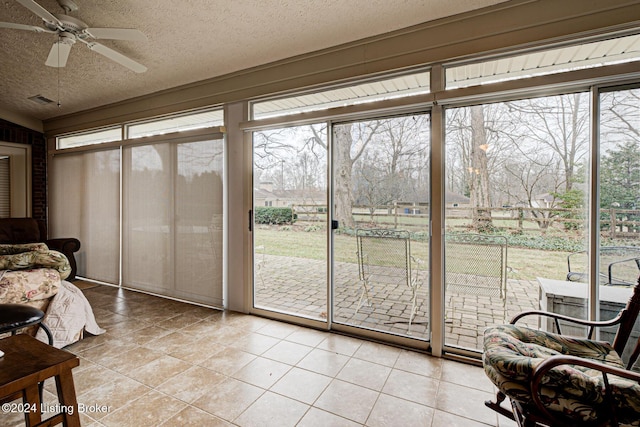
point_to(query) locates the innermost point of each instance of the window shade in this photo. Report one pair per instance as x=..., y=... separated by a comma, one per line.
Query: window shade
x=85, y=203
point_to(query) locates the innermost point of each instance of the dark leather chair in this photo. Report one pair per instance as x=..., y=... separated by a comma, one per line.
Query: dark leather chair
x=30, y=230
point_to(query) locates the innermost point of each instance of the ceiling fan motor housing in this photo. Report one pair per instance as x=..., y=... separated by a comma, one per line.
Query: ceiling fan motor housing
x=69, y=24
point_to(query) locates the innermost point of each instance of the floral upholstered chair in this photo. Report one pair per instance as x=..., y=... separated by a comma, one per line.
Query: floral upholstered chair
x=556, y=380
x=31, y=274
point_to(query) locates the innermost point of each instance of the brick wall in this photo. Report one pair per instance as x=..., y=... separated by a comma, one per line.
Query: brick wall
x=10, y=132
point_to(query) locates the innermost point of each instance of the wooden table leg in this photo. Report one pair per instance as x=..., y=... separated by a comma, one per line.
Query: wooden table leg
x=32, y=415
x=67, y=397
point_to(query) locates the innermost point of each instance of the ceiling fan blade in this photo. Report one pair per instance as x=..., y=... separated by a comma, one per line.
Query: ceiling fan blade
x=116, y=34
x=40, y=11
x=58, y=54
x=117, y=57
x=24, y=27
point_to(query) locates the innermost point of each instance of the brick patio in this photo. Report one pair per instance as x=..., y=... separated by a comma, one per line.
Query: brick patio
x=298, y=286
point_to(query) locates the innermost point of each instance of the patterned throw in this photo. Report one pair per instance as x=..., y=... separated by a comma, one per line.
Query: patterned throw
x=32, y=256
x=23, y=247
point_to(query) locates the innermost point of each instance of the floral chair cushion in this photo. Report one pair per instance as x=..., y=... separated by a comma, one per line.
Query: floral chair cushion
x=511, y=353
x=26, y=286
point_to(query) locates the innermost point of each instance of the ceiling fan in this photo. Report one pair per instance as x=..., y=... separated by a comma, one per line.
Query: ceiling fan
x=69, y=30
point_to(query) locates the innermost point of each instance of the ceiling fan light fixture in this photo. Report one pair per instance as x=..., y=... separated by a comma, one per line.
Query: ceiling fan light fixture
x=67, y=38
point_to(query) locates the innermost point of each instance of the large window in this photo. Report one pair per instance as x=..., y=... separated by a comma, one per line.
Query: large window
x=618, y=257
x=487, y=169
x=515, y=202
x=516, y=194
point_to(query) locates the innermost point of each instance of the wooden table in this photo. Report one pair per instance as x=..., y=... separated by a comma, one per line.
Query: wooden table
x=28, y=362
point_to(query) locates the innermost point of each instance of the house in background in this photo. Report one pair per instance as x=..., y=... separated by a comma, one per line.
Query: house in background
x=544, y=200
x=266, y=195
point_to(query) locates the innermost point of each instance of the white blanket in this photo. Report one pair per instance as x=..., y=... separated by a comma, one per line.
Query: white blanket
x=68, y=314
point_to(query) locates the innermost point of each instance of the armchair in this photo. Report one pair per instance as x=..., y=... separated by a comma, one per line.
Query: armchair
x=556, y=380
x=29, y=230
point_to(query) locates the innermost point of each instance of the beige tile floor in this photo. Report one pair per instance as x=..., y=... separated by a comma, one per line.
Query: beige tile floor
x=165, y=363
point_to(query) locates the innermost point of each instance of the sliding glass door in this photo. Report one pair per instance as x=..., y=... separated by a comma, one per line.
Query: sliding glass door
x=379, y=184
x=522, y=218
x=316, y=185
x=381, y=229
x=290, y=221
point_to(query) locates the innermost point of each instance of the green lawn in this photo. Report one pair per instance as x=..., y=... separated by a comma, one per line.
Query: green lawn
x=523, y=264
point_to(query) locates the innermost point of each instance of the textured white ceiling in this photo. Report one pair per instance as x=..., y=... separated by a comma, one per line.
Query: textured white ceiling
x=188, y=41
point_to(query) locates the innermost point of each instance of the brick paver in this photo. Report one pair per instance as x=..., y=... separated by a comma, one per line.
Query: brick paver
x=299, y=286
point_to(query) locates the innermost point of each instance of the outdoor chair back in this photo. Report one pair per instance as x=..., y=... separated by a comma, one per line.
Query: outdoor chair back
x=385, y=267
x=619, y=265
x=476, y=265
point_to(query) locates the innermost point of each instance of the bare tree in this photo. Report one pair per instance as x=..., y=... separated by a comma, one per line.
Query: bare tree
x=291, y=158
x=558, y=123
x=516, y=152
x=347, y=150
x=471, y=136
x=479, y=171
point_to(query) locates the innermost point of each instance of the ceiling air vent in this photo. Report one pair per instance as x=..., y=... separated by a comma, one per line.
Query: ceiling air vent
x=39, y=99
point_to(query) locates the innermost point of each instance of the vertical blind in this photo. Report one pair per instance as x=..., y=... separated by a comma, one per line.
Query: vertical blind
x=171, y=207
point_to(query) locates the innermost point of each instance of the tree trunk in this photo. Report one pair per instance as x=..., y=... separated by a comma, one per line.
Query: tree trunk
x=343, y=197
x=479, y=173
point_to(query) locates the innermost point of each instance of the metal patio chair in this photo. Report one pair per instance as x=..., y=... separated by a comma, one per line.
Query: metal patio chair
x=476, y=265
x=620, y=265
x=385, y=261
x=259, y=263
